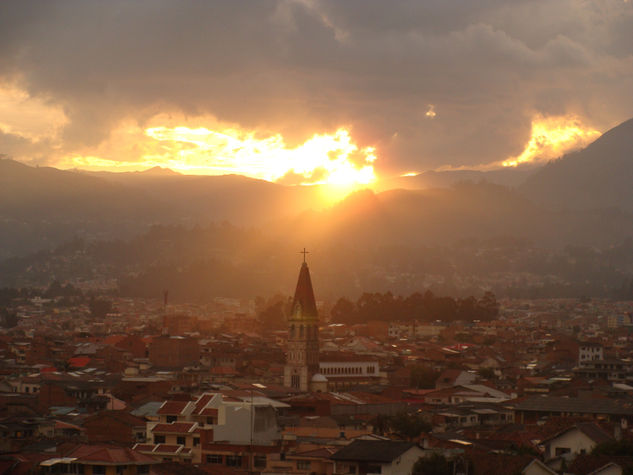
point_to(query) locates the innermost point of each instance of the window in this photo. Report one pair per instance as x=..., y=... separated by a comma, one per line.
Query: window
x=295, y=382
x=98, y=469
x=196, y=441
x=233, y=461
x=159, y=439
x=562, y=450
x=214, y=458
x=121, y=469
x=171, y=419
x=374, y=468
x=142, y=469
x=180, y=440
x=259, y=461
x=210, y=420
x=303, y=465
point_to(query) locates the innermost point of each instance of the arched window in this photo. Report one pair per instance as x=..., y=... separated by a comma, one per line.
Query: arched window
x=301, y=331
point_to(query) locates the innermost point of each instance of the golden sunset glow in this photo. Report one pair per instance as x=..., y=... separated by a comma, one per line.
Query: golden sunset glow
x=26, y=116
x=332, y=159
x=552, y=137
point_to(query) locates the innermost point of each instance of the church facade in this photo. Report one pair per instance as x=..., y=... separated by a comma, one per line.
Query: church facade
x=302, y=358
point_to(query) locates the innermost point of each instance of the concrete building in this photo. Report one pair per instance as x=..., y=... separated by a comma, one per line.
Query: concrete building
x=589, y=352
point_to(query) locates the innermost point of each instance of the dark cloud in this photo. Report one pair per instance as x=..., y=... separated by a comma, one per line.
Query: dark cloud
x=34, y=152
x=300, y=67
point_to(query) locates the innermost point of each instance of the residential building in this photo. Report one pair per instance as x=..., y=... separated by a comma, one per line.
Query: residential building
x=386, y=457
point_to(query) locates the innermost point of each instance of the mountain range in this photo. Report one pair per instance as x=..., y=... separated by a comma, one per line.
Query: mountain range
x=585, y=197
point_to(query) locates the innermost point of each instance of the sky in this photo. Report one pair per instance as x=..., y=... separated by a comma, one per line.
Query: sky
x=308, y=91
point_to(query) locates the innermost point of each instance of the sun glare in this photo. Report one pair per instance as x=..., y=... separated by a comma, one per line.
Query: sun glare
x=552, y=137
x=332, y=159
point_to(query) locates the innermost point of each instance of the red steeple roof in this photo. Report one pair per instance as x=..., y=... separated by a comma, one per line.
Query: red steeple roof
x=304, y=304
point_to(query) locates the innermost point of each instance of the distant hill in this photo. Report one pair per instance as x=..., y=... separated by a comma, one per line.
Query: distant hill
x=448, y=215
x=41, y=207
x=584, y=198
x=510, y=177
x=599, y=176
x=48, y=193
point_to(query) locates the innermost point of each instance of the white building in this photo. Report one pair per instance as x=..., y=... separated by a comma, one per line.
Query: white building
x=590, y=352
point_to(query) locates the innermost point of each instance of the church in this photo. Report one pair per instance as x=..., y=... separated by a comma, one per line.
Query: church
x=302, y=359
x=303, y=370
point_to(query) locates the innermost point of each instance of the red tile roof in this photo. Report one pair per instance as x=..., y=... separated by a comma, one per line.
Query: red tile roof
x=79, y=361
x=170, y=449
x=172, y=407
x=202, y=402
x=66, y=425
x=144, y=447
x=114, y=339
x=109, y=455
x=175, y=428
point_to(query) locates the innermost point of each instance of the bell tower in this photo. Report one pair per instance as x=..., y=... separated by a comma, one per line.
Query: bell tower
x=302, y=357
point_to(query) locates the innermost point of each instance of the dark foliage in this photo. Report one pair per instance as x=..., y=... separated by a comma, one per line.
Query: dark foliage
x=8, y=319
x=617, y=447
x=422, y=307
x=435, y=464
x=99, y=308
x=406, y=425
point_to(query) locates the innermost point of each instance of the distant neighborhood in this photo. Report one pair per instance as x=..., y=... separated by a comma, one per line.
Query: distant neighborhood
x=154, y=387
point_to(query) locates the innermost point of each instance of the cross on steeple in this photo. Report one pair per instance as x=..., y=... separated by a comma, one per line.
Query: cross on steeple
x=304, y=252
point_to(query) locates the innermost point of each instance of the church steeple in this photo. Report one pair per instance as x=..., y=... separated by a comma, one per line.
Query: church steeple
x=304, y=304
x=302, y=357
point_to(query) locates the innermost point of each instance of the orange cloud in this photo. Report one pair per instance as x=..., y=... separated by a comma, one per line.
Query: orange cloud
x=29, y=117
x=207, y=147
x=322, y=159
x=552, y=137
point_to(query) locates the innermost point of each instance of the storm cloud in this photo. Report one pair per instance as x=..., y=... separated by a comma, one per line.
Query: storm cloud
x=297, y=68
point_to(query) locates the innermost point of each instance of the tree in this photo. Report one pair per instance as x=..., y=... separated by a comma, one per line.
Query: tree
x=272, y=313
x=408, y=425
x=486, y=373
x=614, y=448
x=380, y=424
x=489, y=307
x=99, y=308
x=343, y=311
x=435, y=464
x=8, y=319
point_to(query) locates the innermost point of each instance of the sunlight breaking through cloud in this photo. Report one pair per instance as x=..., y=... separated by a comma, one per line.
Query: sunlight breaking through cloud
x=552, y=137
x=323, y=159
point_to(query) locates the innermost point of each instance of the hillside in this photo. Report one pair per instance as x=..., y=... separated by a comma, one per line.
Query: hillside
x=599, y=176
x=41, y=207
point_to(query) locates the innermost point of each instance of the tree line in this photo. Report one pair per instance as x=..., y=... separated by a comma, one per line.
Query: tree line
x=425, y=307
